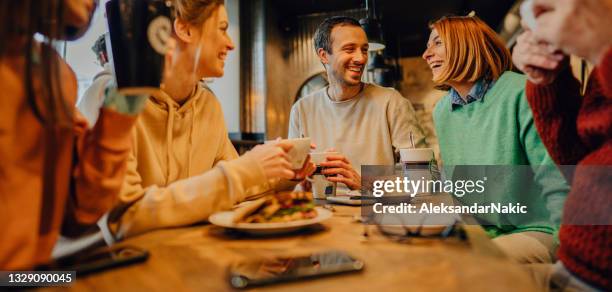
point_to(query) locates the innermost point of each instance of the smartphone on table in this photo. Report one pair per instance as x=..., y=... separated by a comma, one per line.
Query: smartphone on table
x=89, y=263
x=281, y=269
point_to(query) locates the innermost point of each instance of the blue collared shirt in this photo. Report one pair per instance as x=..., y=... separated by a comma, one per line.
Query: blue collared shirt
x=477, y=92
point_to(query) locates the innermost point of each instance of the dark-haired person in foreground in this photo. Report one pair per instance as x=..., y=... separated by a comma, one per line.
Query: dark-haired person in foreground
x=364, y=122
x=56, y=175
x=577, y=130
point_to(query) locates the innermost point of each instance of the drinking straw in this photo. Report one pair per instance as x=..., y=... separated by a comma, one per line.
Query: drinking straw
x=412, y=139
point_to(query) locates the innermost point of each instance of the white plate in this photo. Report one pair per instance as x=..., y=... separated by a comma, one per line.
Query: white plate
x=226, y=219
x=426, y=230
x=346, y=200
x=344, y=191
x=431, y=224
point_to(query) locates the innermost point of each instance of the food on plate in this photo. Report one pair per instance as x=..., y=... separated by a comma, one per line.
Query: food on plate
x=280, y=207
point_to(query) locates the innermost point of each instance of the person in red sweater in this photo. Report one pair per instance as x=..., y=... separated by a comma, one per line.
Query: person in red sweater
x=576, y=129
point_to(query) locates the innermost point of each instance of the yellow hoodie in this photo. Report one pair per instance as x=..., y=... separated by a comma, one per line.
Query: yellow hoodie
x=182, y=168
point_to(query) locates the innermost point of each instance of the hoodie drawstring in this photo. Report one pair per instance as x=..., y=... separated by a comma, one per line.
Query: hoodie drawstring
x=169, y=136
x=173, y=111
x=191, y=130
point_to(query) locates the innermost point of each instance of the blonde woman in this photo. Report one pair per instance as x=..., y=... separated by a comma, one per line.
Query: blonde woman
x=183, y=167
x=486, y=120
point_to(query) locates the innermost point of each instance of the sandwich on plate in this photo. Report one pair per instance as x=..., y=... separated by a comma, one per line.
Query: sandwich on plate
x=279, y=207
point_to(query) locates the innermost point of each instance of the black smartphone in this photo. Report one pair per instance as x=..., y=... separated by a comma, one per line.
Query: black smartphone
x=280, y=269
x=98, y=261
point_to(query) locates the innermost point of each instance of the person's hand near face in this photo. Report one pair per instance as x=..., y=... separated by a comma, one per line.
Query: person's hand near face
x=536, y=59
x=339, y=169
x=578, y=27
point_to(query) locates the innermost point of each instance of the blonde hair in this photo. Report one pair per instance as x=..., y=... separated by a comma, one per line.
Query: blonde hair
x=195, y=12
x=473, y=50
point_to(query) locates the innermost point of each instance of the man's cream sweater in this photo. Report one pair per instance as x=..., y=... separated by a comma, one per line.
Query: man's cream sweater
x=367, y=129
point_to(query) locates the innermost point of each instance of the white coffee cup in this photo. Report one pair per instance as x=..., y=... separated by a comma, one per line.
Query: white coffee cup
x=318, y=157
x=298, y=153
x=321, y=187
x=416, y=155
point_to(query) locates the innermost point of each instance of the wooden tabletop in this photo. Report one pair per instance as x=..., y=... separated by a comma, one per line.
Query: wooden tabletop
x=196, y=259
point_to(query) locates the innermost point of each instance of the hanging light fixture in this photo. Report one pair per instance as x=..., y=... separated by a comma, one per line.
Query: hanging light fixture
x=372, y=27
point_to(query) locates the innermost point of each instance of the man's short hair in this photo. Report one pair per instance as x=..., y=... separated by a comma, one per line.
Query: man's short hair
x=322, y=37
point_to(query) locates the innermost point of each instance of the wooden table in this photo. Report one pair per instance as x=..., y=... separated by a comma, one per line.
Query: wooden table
x=196, y=259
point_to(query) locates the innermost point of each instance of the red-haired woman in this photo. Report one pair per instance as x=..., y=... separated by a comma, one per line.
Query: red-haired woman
x=484, y=120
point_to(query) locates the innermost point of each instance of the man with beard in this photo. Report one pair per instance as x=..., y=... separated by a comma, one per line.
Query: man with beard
x=365, y=122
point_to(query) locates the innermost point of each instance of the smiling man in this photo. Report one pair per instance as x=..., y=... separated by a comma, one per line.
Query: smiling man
x=365, y=122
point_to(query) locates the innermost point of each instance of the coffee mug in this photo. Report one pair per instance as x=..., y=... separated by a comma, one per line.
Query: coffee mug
x=298, y=153
x=139, y=34
x=321, y=187
x=318, y=157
